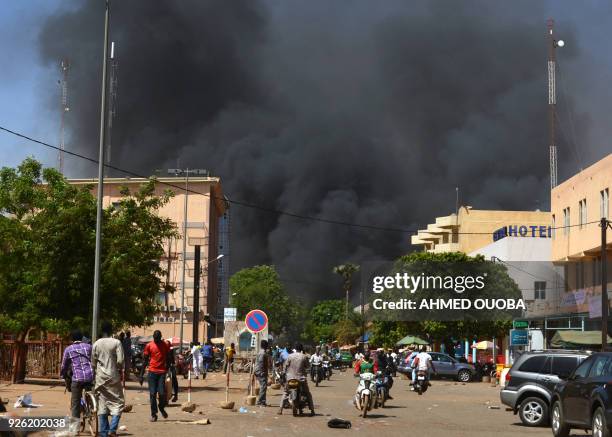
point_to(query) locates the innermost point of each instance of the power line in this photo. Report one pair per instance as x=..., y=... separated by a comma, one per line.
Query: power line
x=248, y=204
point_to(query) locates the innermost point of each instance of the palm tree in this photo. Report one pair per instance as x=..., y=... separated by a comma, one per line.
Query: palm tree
x=346, y=271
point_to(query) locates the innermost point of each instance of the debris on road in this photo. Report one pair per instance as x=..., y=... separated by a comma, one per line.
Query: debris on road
x=25, y=401
x=188, y=407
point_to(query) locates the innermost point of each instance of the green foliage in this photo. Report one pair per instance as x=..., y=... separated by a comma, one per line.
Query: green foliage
x=347, y=331
x=386, y=329
x=47, y=244
x=260, y=287
x=322, y=320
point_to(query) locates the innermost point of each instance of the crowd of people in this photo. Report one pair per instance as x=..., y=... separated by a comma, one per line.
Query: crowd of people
x=105, y=366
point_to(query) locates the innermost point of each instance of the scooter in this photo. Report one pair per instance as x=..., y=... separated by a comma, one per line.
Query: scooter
x=382, y=389
x=365, y=393
x=422, y=382
x=297, y=396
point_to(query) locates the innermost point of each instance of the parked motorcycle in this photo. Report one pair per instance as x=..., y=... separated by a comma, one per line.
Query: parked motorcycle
x=422, y=382
x=365, y=393
x=278, y=374
x=297, y=396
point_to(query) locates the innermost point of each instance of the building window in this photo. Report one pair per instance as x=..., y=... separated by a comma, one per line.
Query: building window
x=604, y=201
x=566, y=221
x=553, y=229
x=539, y=289
x=582, y=213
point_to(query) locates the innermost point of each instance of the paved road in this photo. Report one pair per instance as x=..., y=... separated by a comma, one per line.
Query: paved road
x=447, y=409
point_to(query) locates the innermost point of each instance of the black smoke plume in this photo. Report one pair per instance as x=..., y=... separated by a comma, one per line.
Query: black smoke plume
x=358, y=111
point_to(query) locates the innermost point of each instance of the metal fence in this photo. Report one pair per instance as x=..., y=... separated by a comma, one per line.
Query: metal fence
x=43, y=359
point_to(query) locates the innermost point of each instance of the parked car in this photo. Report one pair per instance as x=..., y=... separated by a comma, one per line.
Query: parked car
x=446, y=366
x=584, y=400
x=530, y=382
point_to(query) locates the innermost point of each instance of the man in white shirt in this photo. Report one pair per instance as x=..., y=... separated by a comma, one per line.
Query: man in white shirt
x=424, y=362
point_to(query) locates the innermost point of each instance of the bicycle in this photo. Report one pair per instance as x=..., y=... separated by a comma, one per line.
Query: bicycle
x=89, y=412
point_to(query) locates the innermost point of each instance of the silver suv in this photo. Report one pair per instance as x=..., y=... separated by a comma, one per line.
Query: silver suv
x=531, y=380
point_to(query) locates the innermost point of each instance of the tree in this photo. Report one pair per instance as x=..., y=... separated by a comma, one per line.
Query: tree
x=322, y=319
x=346, y=271
x=260, y=287
x=47, y=243
x=444, y=325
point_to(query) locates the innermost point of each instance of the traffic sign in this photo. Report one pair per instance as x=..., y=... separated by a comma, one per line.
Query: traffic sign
x=256, y=321
x=519, y=337
x=520, y=324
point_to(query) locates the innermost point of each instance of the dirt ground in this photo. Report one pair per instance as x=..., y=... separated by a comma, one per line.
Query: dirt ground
x=447, y=409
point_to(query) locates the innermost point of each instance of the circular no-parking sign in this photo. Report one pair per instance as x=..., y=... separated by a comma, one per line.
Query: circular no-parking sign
x=256, y=321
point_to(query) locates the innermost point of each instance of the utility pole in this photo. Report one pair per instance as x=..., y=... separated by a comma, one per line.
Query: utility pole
x=604, y=283
x=112, y=104
x=96, y=287
x=552, y=99
x=177, y=172
x=196, y=294
x=64, y=66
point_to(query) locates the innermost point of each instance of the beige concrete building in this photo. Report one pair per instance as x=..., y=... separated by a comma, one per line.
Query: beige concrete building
x=204, y=208
x=473, y=229
x=577, y=205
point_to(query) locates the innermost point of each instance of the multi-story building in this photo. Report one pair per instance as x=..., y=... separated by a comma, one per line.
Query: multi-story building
x=472, y=229
x=205, y=207
x=577, y=206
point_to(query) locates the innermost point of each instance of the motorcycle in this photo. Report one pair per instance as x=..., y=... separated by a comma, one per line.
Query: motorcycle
x=422, y=382
x=183, y=361
x=364, y=397
x=327, y=370
x=297, y=396
x=382, y=389
x=316, y=373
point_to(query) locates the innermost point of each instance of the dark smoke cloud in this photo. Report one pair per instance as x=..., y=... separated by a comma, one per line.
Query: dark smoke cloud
x=368, y=112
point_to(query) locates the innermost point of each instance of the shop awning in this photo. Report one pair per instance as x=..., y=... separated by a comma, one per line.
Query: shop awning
x=411, y=339
x=576, y=339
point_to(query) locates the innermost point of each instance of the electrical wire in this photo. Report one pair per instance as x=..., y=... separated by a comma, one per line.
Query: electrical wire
x=248, y=204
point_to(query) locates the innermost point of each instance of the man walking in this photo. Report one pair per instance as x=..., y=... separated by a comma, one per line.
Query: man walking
x=127, y=353
x=229, y=358
x=207, y=356
x=157, y=354
x=77, y=359
x=261, y=372
x=107, y=361
x=196, y=359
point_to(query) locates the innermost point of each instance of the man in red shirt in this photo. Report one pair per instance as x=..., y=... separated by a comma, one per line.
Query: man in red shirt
x=157, y=354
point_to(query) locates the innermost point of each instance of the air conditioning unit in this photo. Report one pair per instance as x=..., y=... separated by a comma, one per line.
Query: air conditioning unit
x=172, y=307
x=188, y=309
x=155, y=318
x=161, y=319
x=170, y=320
x=164, y=308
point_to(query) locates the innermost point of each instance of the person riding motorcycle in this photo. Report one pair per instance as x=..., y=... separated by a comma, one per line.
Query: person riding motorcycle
x=422, y=363
x=385, y=364
x=316, y=360
x=295, y=368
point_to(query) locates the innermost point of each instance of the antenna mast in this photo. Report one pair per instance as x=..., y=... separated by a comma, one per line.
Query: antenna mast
x=112, y=104
x=552, y=101
x=64, y=67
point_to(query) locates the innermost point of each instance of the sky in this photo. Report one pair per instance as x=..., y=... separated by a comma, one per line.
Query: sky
x=358, y=111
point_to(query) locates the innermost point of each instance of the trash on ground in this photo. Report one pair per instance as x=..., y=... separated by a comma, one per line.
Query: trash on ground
x=25, y=401
x=339, y=423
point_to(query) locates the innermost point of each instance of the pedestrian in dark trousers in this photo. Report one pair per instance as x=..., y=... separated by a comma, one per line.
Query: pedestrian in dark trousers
x=261, y=372
x=77, y=360
x=172, y=371
x=157, y=354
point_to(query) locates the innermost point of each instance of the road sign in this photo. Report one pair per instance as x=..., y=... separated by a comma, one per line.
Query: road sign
x=519, y=337
x=520, y=324
x=256, y=321
x=229, y=314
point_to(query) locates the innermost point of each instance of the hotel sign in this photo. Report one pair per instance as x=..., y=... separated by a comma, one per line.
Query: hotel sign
x=532, y=231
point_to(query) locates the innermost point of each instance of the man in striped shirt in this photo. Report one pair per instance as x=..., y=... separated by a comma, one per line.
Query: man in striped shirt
x=77, y=360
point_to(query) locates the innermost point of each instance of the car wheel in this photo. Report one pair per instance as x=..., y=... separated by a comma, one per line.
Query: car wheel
x=464, y=375
x=558, y=425
x=599, y=424
x=533, y=412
